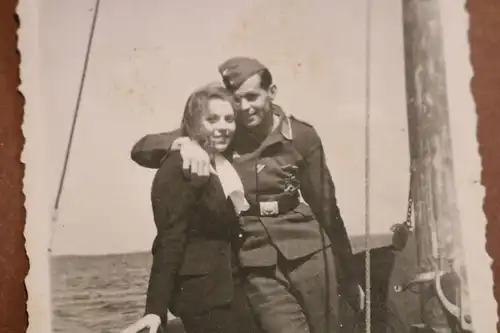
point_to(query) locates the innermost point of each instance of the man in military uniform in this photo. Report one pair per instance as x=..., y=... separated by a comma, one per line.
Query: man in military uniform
x=297, y=255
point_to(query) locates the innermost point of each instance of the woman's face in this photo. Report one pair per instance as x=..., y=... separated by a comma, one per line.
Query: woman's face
x=218, y=122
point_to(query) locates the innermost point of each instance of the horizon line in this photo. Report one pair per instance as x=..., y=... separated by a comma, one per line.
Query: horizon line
x=146, y=251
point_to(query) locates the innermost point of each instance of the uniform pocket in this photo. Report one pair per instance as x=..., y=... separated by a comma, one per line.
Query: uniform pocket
x=303, y=213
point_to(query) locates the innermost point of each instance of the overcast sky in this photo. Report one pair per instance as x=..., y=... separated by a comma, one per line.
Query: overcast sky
x=148, y=55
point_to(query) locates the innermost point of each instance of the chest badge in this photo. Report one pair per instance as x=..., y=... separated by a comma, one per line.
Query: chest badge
x=292, y=184
x=260, y=167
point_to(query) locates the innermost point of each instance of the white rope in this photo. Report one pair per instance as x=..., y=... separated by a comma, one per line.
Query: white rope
x=367, y=172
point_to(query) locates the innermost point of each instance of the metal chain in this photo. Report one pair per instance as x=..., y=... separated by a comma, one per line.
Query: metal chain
x=408, y=222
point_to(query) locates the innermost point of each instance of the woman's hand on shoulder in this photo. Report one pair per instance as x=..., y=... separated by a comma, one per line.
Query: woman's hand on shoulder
x=150, y=321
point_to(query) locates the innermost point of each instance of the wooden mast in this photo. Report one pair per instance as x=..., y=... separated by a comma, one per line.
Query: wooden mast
x=437, y=224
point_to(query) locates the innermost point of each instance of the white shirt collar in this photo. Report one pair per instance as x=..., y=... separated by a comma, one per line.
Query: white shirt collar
x=231, y=183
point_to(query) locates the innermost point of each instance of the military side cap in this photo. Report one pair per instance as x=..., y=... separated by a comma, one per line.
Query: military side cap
x=237, y=70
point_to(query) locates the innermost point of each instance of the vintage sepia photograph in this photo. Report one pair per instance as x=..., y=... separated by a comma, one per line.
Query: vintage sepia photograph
x=254, y=167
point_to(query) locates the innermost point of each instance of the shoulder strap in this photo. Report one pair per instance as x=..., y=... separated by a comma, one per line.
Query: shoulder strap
x=304, y=135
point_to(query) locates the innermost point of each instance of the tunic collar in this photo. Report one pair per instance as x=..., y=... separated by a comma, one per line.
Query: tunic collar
x=282, y=121
x=282, y=129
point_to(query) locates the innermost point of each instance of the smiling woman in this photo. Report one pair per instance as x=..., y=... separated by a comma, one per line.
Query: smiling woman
x=195, y=272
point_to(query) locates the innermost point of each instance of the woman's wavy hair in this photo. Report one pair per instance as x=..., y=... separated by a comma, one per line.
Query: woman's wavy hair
x=196, y=106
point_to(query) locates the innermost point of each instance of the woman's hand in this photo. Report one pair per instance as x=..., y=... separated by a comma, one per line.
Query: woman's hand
x=150, y=321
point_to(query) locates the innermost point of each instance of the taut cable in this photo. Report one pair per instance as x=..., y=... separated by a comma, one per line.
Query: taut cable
x=367, y=171
x=73, y=124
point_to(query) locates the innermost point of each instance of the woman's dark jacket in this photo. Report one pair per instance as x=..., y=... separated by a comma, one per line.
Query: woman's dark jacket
x=193, y=253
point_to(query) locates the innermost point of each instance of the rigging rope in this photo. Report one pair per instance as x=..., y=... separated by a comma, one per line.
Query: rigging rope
x=367, y=171
x=73, y=124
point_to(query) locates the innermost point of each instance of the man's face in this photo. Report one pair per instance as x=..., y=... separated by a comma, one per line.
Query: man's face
x=252, y=102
